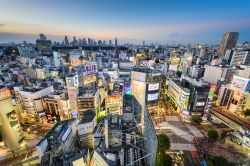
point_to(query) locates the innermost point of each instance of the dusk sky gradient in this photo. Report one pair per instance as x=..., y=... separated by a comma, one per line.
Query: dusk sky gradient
x=166, y=21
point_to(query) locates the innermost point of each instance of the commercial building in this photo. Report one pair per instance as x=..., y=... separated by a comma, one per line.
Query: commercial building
x=74, y=158
x=179, y=94
x=75, y=57
x=113, y=104
x=229, y=41
x=213, y=74
x=236, y=57
x=124, y=143
x=10, y=128
x=189, y=95
x=60, y=139
x=72, y=83
x=145, y=86
x=31, y=99
x=235, y=96
x=56, y=107
x=86, y=128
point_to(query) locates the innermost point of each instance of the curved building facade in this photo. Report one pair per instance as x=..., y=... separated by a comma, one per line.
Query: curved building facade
x=10, y=129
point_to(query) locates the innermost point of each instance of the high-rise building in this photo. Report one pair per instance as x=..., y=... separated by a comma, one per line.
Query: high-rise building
x=229, y=41
x=42, y=37
x=145, y=87
x=66, y=40
x=236, y=57
x=10, y=129
x=116, y=50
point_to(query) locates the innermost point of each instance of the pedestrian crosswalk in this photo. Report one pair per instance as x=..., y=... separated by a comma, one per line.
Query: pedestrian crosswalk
x=194, y=130
x=175, y=130
x=180, y=146
x=172, y=118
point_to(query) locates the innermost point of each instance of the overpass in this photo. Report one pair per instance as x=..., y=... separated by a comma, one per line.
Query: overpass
x=230, y=119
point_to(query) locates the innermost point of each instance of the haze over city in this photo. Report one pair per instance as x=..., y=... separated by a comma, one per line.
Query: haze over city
x=131, y=21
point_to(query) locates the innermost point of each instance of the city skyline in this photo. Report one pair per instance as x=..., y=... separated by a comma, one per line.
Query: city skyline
x=152, y=21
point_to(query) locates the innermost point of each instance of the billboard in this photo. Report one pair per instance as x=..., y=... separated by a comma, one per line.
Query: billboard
x=240, y=83
x=127, y=88
x=4, y=94
x=89, y=79
x=152, y=97
x=72, y=82
x=152, y=87
x=90, y=69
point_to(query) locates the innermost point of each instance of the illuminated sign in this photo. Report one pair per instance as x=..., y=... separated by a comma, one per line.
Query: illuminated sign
x=127, y=88
x=89, y=79
x=139, y=55
x=240, y=83
x=72, y=82
x=153, y=86
x=200, y=103
x=212, y=90
x=54, y=73
x=4, y=93
x=152, y=97
x=74, y=114
x=91, y=69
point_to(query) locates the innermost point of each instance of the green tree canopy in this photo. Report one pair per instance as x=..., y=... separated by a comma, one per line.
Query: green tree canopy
x=163, y=142
x=212, y=134
x=163, y=159
x=218, y=161
x=196, y=120
x=179, y=73
x=247, y=112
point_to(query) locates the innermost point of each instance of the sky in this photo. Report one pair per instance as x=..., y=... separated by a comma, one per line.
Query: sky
x=165, y=21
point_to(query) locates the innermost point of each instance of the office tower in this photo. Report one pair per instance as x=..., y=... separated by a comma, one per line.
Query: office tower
x=116, y=50
x=74, y=42
x=42, y=37
x=84, y=41
x=43, y=44
x=89, y=41
x=9, y=125
x=229, y=41
x=236, y=57
x=110, y=42
x=66, y=40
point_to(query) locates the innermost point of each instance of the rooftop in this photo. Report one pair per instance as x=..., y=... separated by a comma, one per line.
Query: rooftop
x=145, y=70
x=87, y=117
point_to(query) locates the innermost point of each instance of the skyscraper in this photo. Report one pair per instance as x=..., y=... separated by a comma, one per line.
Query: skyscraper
x=229, y=41
x=42, y=37
x=66, y=40
x=116, y=50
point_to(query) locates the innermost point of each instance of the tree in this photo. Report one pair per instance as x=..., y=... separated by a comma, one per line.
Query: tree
x=247, y=112
x=163, y=159
x=179, y=73
x=212, y=134
x=219, y=161
x=223, y=135
x=196, y=120
x=163, y=142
